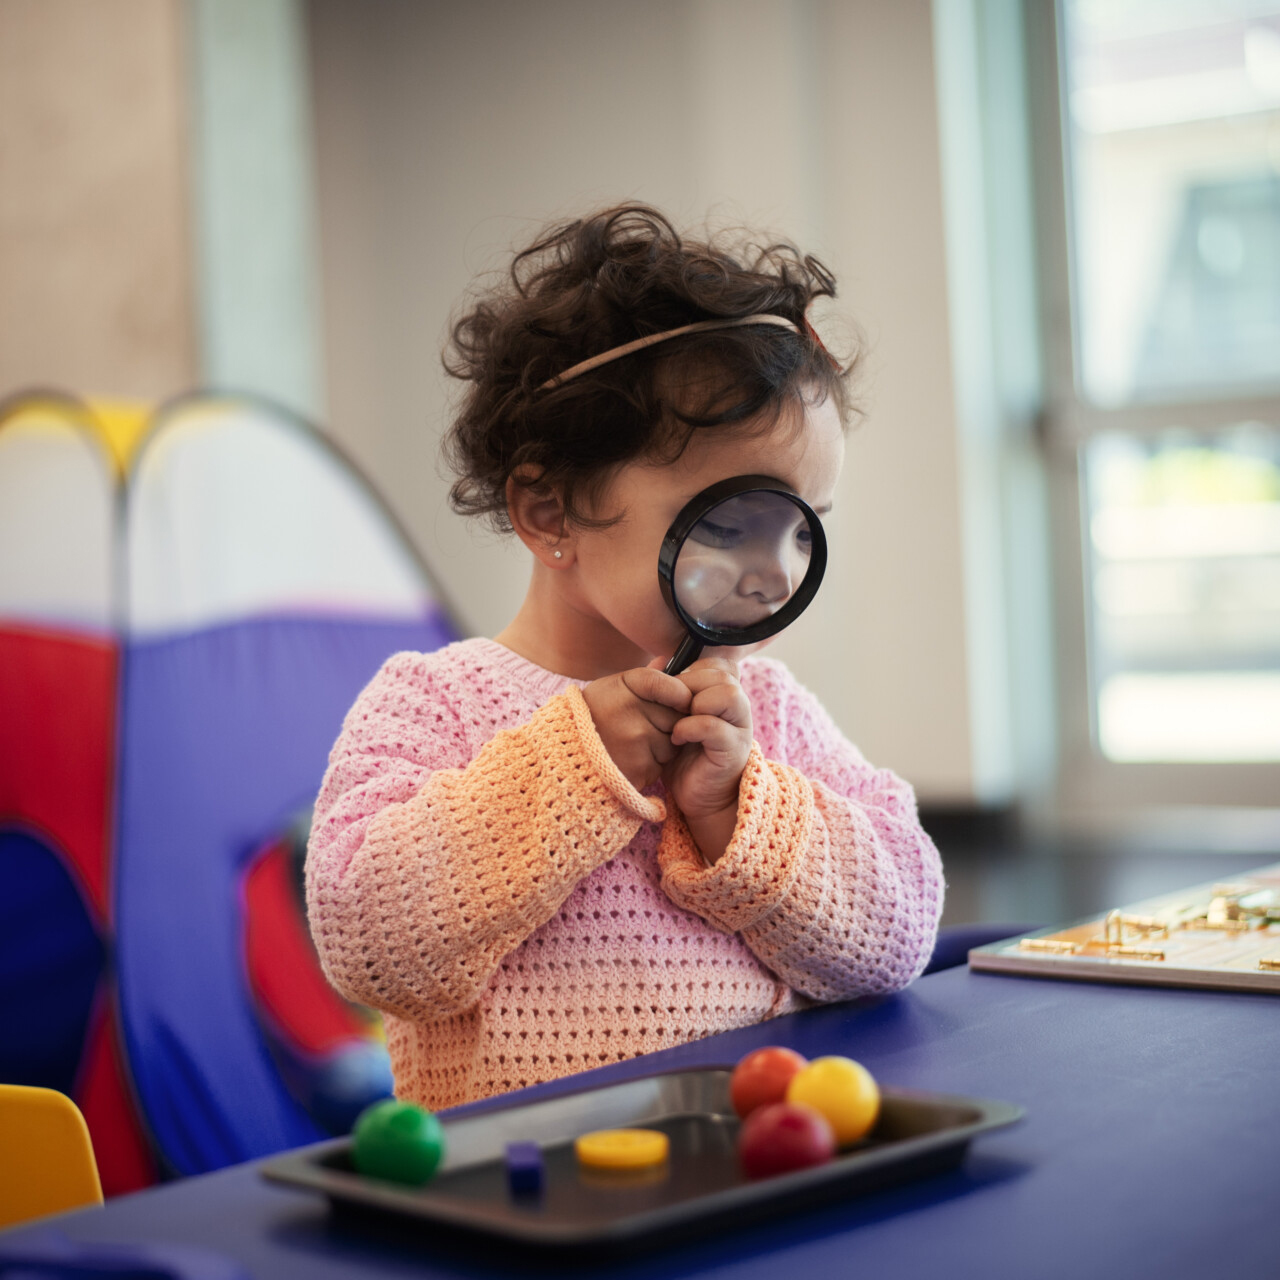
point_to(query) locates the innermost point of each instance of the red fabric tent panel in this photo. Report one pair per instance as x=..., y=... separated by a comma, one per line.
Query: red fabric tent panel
x=125, y=1162
x=284, y=972
x=57, y=739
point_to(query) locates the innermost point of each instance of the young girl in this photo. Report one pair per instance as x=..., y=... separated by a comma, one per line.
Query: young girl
x=539, y=853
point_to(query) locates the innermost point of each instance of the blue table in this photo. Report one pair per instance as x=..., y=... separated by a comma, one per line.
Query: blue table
x=1151, y=1148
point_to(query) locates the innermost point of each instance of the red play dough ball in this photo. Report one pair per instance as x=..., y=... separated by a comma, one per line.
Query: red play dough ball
x=782, y=1137
x=762, y=1077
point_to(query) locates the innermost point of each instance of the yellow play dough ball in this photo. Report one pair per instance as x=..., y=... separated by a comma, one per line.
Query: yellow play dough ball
x=622, y=1148
x=843, y=1091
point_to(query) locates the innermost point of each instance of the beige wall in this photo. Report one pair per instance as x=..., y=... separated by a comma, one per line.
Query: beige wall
x=445, y=133
x=95, y=260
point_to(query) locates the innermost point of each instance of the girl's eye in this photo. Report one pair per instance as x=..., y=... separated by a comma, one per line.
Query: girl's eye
x=711, y=534
x=804, y=540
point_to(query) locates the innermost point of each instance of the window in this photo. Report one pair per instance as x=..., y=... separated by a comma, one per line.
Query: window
x=1183, y=547
x=1164, y=390
x=1173, y=129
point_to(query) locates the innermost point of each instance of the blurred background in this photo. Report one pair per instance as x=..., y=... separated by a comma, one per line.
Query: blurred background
x=1053, y=601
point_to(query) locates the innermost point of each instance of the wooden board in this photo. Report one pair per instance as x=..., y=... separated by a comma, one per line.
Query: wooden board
x=1223, y=935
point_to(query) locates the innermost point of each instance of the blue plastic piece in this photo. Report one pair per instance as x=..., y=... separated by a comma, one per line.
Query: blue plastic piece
x=348, y=1082
x=524, y=1168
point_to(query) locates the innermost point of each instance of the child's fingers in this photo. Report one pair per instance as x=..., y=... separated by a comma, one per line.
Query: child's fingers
x=656, y=686
x=662, y=718
x=716, y=691
x=698, y=678
x=726, y=701
x=727, y=666
x=711, y=732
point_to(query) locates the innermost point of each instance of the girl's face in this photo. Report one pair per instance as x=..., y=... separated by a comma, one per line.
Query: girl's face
x=615, y=570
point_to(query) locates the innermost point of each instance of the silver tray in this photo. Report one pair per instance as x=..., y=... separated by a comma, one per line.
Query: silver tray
x=917, y=1134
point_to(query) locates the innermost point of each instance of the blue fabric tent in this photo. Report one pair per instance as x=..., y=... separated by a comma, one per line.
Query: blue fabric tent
x=257, y=583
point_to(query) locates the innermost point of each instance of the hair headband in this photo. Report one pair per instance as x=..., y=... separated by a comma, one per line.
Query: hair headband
x=652, y=339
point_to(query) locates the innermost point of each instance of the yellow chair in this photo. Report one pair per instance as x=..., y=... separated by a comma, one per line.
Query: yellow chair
x=46, y=1157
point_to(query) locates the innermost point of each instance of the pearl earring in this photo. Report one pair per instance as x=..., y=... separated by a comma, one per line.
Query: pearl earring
x=558, y=554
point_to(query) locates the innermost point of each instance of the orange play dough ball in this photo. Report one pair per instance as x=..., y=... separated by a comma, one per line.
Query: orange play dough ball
x=842, y=1090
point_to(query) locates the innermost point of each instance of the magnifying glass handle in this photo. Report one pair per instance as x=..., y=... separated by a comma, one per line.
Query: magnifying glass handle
x=690, y=648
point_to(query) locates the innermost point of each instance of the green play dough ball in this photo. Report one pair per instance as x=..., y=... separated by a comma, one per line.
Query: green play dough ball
x=398, y=1141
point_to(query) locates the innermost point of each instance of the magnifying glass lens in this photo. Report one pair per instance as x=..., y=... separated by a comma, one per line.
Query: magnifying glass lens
x=743, y=560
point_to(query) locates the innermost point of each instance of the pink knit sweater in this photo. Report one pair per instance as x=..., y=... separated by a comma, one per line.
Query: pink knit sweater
x=483, y=873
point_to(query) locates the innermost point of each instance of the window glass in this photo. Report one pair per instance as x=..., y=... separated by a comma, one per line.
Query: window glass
x=1173, y=132
x=1183, y=553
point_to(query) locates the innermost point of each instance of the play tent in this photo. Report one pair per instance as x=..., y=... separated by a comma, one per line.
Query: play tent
x=189, y=603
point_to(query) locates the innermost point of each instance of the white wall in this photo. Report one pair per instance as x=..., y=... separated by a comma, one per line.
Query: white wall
x=447, y=133
x=95, y=273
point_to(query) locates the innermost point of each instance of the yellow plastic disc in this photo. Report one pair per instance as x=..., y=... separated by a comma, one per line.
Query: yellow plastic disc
x=622, y=1148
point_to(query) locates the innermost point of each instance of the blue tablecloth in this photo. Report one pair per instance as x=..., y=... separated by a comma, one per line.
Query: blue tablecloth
x=1151, y=1148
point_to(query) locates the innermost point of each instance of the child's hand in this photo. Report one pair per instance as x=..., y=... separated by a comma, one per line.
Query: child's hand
x=634, y=713
x=714, y=741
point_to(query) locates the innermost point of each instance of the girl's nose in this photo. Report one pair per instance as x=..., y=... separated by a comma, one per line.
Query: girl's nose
x=768, y=580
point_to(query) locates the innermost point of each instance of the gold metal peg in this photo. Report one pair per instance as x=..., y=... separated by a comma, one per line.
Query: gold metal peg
x=1135, y=953
x=1116, y=922
x=1221, y=924
x=1146, y=925
x=1052, y=946
x=1113, y=922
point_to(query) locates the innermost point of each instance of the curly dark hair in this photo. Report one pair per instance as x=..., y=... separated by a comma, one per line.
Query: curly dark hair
x=588, y=286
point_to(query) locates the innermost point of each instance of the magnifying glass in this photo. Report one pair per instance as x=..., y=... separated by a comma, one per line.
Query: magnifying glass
x=741, y=561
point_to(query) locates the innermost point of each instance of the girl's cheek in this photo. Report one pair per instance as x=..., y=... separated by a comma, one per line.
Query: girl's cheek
x=701, y=585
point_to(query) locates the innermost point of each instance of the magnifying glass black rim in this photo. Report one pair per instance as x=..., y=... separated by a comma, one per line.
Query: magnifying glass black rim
x=682, y=526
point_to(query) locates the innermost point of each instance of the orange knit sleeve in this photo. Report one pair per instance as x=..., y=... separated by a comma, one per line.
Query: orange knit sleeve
x=444, y=884
x=836, y=895
x=757, y=870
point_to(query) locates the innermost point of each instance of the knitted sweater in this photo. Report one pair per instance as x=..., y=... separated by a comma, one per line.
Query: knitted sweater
x=482, y=872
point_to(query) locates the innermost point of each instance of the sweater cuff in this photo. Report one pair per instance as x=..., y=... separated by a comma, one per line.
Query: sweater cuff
x=757, y=870
x=645, y=808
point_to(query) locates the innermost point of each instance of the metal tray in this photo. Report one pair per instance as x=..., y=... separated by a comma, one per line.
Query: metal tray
x=916, y=1134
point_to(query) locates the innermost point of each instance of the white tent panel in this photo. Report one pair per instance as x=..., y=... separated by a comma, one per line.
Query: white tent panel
x=235, y=512
x=56, y=519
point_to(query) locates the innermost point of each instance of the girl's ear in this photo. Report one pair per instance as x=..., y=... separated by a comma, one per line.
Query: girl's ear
x=537, y=515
